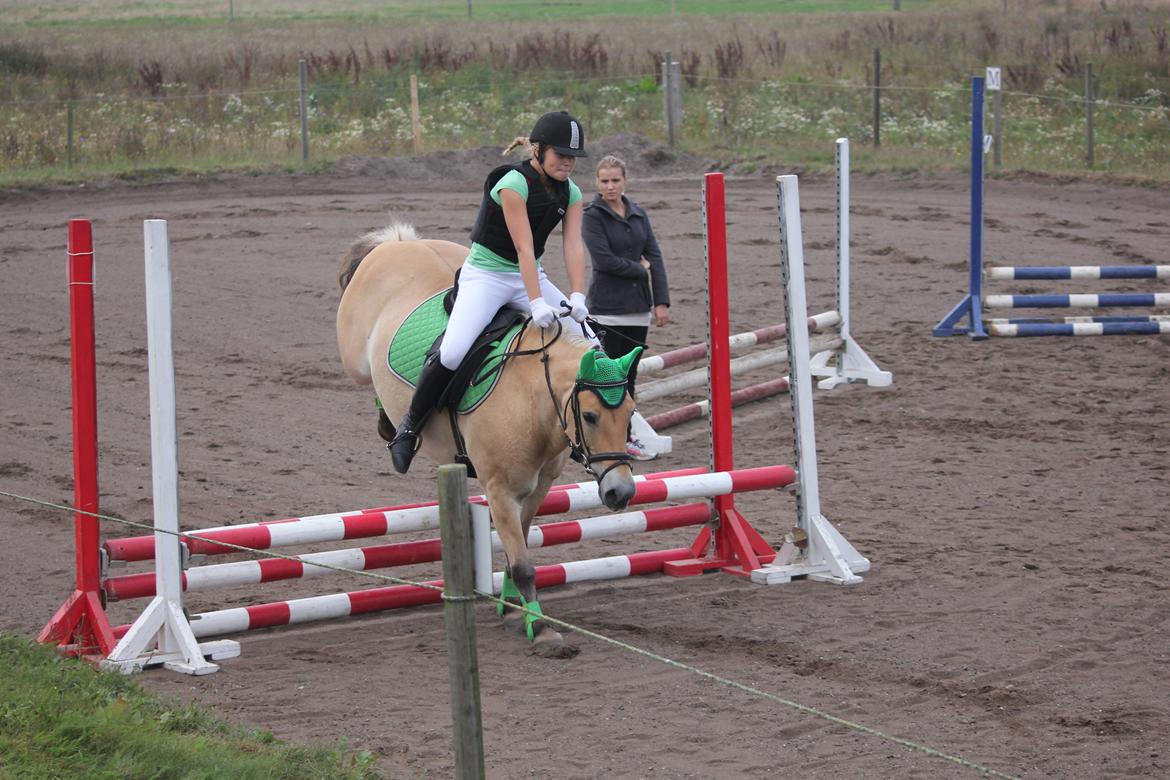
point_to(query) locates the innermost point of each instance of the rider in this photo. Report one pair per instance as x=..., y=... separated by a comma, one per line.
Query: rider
x=521, y=206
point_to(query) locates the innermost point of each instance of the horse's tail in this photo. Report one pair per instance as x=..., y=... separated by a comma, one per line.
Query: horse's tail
x=348, y=265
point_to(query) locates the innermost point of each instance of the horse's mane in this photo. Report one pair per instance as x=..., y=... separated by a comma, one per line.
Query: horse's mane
x=395, y=231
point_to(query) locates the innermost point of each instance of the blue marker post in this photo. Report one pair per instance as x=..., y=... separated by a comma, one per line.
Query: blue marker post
x=972, y=304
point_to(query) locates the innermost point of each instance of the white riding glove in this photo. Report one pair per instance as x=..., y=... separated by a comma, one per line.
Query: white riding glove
x=542, y=314
x=577, y=302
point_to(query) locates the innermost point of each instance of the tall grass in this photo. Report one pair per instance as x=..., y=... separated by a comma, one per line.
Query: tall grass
x=150, y=95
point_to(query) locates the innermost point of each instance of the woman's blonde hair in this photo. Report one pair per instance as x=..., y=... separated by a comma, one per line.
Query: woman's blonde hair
x=610, y=161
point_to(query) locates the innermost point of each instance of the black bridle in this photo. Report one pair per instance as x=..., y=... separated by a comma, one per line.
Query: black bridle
x=579, y=449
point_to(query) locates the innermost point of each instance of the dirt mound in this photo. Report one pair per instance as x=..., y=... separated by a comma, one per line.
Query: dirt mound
x=645, y=158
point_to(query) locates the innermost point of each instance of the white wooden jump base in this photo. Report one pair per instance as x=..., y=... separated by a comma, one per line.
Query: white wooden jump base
x=814, y=549
x=974, y=302
x=837, y=357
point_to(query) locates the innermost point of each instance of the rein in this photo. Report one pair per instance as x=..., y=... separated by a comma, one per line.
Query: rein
x=578, y=448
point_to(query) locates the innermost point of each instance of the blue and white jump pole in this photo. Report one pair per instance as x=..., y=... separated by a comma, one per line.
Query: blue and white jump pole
x=971, y=307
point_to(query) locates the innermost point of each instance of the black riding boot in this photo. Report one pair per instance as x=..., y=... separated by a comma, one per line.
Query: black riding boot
x=432, y=381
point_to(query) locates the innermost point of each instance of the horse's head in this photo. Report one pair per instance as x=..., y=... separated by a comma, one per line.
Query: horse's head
x=600, y=422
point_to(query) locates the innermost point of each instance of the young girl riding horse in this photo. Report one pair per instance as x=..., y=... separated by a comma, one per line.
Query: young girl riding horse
x=521, y=206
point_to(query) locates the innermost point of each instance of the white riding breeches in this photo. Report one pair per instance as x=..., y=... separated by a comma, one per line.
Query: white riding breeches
x=481, y=294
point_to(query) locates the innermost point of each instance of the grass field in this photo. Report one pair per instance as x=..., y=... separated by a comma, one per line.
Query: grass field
x=93, y=89
x=57, y=12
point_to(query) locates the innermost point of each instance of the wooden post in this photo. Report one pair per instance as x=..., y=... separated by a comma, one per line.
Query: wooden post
x=672, y=97
x=468, y=9
x=877, y=98
x=667, y=108
x=69, y=134
x=415, y=122
x=459, y=614
x=1089, y=112
x=304, y=75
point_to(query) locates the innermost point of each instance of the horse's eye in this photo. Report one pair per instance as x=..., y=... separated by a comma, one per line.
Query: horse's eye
x=591, y=417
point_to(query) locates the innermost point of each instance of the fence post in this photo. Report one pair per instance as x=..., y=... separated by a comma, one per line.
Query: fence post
x=1089, y=112
x=459, y=615
x=415, y=122
x=69, y=134
x=877, y=98
x=304, y=76
x=672, y=97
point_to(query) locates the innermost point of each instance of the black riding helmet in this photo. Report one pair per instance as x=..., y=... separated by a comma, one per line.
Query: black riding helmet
x=561, y=131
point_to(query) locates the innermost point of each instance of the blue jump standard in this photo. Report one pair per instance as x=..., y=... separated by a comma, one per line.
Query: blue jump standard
x=972, y=305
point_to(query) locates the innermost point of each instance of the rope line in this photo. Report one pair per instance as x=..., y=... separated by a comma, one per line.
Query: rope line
x=748, y=689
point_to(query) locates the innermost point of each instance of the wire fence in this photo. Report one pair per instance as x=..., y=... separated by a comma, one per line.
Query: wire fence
x=783, y=120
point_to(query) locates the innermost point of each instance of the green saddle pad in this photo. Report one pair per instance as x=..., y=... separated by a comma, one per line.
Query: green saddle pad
x=422, y=326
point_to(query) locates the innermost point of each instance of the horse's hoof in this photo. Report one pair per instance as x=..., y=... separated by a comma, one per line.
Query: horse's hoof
x=557, y=648
x=514, y=622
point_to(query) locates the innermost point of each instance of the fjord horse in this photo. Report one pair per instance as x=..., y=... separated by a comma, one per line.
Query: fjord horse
x=521, y=435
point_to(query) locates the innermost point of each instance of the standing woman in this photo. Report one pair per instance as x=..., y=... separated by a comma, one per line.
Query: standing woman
x=521, y=206
x=629, y=289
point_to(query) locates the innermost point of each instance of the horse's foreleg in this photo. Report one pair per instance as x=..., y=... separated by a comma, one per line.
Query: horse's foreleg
x=520, y=578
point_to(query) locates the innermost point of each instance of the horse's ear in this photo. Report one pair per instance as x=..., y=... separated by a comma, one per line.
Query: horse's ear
x=588, y=365
x=626, y=362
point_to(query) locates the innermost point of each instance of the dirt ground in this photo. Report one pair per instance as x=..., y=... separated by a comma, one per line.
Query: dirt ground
x=1012, y=494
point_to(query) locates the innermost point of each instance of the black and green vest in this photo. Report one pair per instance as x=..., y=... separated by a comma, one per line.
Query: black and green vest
x=548, y=201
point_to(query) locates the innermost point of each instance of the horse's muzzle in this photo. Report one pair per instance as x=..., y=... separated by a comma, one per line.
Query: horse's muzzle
x=615, y=491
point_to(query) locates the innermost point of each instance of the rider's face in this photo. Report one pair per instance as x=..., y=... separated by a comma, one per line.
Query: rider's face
x=558, y=166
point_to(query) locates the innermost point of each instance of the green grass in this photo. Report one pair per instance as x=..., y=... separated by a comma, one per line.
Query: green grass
x=183, y=90
x=66, y=12
x=60, y=718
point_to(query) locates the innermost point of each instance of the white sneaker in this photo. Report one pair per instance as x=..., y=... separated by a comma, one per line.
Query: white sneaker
x=638, y=451
x=641, y=432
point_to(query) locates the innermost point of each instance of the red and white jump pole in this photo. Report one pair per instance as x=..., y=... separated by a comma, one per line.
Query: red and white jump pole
x=688, y=412
x=341, y=526
x=80, y=625
x=313, y=608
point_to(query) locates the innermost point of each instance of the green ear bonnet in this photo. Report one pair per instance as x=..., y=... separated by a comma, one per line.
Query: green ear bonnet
x=605, y=376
